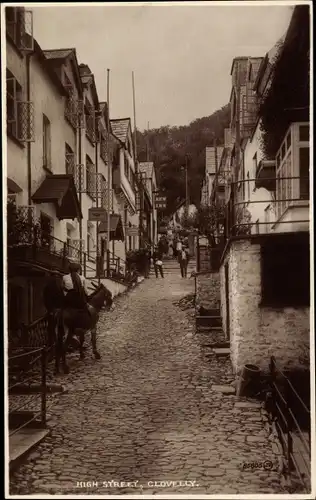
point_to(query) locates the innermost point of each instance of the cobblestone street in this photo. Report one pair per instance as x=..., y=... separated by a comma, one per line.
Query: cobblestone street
x=147, y=413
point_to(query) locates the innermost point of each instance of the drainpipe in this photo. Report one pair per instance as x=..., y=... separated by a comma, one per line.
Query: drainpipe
x=28, y=150
x=80, y=181
x=29, y=183
x=97, y=185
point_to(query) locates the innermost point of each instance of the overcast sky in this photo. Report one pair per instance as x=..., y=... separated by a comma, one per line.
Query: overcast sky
x=181, y=55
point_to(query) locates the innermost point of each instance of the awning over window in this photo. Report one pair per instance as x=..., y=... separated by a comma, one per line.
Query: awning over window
x=116, y=227
x=13, y=187
x=60, y=190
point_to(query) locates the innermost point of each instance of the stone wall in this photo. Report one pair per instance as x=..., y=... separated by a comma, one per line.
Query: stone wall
x=208, y=290
x=204, y=257
x=257, y=332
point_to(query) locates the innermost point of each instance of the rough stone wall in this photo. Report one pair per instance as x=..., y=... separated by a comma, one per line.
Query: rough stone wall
x=205, y=262
x=257, y=332
x=208, y=290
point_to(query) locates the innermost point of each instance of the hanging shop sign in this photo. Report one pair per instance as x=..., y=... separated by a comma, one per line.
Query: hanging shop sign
x=160, y=202
x=97, y=214
x=132, y=231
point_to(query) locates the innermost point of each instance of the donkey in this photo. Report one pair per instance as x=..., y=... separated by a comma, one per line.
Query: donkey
x=70, y=321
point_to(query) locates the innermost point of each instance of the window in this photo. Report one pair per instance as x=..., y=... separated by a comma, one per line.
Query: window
x=285, y=271
x=103, y=146
x=46, y=143
x=90, y=177
x=71, y=104
x=69, y=160
x=14, y=21
x=267, y=211
x=292, y=162
x=255, y=164
x=14, y=96
x=104, y=194
x=19, y=27
x=46, y=231
x=304, y=133
x=304, y=173
x=68, y=237
x=90, y=121
x=126, y=167
x=90, y=242
x=257, y=227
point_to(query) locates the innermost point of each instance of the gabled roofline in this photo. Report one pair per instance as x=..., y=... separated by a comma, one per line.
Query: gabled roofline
x=45, y=64
x=130, y=128
x=72, y=55
x=241, y=58
x=119, y=119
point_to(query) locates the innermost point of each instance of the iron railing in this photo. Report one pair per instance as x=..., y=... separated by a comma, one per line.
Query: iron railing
x=27, y=388
x=291, y=415
x=246, y=215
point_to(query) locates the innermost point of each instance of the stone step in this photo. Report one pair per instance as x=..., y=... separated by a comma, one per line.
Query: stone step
x=221, y=351
x=212, y=345
x=209, y=322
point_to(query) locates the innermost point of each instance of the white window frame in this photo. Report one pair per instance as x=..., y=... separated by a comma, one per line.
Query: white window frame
x=287, y=165
x=47, y=160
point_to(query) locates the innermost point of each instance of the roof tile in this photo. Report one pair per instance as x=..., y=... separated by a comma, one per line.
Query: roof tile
x=120, y=128
x=57, y=53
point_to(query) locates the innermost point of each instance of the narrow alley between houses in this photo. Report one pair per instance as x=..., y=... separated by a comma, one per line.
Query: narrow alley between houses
x=146, y=417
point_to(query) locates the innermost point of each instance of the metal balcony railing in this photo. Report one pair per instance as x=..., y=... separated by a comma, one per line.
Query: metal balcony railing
x=27, y=388
x=291, y=415
x=278, y=210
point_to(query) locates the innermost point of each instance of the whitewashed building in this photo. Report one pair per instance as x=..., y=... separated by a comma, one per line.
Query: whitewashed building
x=57, y=171
x=264, y=269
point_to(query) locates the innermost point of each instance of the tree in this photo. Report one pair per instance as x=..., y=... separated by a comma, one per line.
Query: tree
x=169, y=147
x=207, y=220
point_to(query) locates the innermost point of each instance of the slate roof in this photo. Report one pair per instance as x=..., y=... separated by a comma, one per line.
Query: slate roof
x=57, y=53
x=210, y=165
x=119, y=128
x=148, y=168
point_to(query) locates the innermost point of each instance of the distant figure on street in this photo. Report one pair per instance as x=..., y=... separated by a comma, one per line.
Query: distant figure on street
x=148, y=261
x=170, y=253
x=157, y=258
x=179, y=248
x=183, y=261
x=174, y=245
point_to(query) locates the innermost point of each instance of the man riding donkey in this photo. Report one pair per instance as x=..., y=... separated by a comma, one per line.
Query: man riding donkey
x=79, y=313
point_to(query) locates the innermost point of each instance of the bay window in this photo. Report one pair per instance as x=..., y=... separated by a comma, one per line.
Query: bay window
x=292, y=168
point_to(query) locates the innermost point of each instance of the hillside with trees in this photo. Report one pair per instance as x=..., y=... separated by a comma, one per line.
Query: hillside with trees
x=168, y=147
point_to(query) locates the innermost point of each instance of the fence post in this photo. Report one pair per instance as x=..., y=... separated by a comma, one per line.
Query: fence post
x=64, y=251
x=288, y=426
x=44, y=388
x=198, y=263
x=85, y=264
x=108, y=263
x=272, y=382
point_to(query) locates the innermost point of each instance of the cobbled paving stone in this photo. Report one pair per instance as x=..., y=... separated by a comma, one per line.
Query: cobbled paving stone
x=145, y=419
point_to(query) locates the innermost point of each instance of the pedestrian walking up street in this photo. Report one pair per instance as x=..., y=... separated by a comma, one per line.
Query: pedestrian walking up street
x=184, y=261
x=158, y=264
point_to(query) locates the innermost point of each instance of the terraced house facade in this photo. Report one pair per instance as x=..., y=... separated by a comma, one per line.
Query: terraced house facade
x=265, y=267
x=59, y=148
